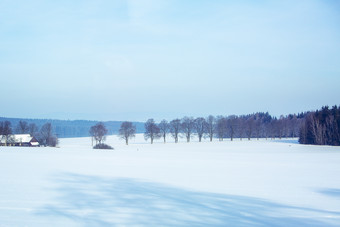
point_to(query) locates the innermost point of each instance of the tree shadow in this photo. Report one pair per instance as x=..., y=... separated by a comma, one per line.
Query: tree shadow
x=98, y=201
x=334, y=192
x=290, y=141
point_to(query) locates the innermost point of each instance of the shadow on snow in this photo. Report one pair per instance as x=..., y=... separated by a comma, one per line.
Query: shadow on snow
x=330, y=192
x=292, y=141
x=97, y=201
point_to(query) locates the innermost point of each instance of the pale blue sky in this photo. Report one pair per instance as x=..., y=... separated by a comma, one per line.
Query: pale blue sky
x=134, y=60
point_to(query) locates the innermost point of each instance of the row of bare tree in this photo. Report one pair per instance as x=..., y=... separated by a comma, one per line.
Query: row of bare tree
x=98, y=133
x=319, y=127
x=257, y=125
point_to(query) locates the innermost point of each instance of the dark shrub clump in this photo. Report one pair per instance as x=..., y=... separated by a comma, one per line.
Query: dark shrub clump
x=103, y=146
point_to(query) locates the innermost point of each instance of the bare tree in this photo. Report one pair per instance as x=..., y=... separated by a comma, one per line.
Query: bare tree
x=297, y=126
x=164, y=128
x=127, y=131
x=285, y=127
x=232, y=124
x=249, y=127
x=33, y=129
x=152, y=131
x=46, y=136
x=267, y=129
x=258, y=127
x=187, y=126
x=280, y=126
x=221, y=127
x=303, y=132
x=201, y=127
x=98, y=132
x=175, y=127
x=273, y=125
x=241, y=127
x=6, y=131
x=293, y=126
x=22, y=127
x=211, y=126
x=317, y=129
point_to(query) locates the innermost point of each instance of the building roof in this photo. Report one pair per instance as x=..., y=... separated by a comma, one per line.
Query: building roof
x=19, y=138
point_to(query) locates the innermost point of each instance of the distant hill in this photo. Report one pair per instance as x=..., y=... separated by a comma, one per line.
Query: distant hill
x=76, y=128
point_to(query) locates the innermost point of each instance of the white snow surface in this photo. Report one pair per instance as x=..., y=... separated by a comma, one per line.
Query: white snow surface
x=229, y=183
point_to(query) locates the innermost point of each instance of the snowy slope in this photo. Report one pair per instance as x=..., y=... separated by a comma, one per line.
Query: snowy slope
x=239, y=183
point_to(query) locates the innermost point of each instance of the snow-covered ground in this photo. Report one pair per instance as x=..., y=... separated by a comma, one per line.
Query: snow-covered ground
x=239, y=183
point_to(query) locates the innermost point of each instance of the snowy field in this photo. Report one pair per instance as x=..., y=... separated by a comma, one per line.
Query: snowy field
x=239, y=183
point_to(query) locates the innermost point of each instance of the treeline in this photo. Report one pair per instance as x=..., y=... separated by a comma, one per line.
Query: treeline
x=321, y=127
x=256, y=125
x=75, y=128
